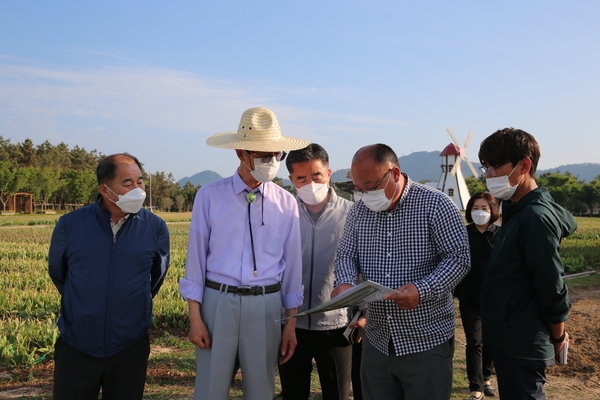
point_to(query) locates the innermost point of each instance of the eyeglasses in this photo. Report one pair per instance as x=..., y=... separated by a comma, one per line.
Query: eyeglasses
x=266, y=157
x=491, y=171
x=374, y=187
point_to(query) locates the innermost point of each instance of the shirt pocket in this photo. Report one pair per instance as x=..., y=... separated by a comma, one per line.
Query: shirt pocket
x=273, y=241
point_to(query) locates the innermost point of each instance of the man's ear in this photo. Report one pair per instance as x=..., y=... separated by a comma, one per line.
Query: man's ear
x=526, y=166
x=103, y=190
x=240, y=154
x=396, y=173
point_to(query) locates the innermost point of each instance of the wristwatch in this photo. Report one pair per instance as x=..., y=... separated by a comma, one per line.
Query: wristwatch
x=560, y=339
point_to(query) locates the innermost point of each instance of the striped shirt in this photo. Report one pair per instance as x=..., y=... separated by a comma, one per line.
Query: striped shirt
x=423, y=241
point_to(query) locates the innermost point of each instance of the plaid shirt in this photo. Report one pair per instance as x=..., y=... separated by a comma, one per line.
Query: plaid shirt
x=423, y=241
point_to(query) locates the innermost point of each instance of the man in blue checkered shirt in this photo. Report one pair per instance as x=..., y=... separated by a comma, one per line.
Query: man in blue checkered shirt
x=412, y=238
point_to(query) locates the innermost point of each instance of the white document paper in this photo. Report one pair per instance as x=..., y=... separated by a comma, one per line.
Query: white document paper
x=364, y=292
x=561, y=357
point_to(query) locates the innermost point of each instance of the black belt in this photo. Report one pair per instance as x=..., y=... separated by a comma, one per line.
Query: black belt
x=244, y=290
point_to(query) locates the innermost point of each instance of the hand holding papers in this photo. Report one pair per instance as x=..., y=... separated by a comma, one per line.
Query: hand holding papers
x=407, y=297
x=351, y=333
x=365, y=292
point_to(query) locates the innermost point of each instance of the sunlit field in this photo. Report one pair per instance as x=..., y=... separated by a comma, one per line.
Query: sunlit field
x=29, y=302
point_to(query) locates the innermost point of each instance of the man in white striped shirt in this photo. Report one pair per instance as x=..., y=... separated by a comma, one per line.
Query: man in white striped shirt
x=412, y=238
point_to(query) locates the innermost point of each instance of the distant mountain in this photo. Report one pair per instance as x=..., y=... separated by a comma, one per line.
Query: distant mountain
x=201, y=178
x=420, y=166
x=583, y=172
x=341, y=175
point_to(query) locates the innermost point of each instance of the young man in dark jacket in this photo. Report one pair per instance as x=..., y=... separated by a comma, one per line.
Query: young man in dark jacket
x=524, y=302
x=107, y=260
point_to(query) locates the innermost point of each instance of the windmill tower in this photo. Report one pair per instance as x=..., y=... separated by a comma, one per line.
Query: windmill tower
x=452, y=181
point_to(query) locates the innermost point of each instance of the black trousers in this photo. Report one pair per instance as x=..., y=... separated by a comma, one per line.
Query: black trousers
x=520, y=378
x=79, y=376
x=356, y=359
x=333, y=356
x=479, y=357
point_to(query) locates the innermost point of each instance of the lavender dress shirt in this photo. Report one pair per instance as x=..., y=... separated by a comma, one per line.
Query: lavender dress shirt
x=219, y=246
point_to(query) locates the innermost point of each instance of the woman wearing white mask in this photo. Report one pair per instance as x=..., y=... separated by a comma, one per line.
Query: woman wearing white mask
x=481, y=213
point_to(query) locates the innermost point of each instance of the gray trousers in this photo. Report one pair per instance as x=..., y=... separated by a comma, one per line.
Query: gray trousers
x=246, y=326
x=425, y=375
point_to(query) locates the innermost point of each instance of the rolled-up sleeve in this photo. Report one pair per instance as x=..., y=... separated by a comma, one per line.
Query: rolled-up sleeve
x=450, y=238
x=191, y=286
x=291, y=281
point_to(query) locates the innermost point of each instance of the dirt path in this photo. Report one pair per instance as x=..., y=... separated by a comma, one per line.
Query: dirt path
x=579, y=379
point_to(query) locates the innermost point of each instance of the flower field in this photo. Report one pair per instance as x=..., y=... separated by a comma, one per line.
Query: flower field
x=29, y=305
x=29, y=302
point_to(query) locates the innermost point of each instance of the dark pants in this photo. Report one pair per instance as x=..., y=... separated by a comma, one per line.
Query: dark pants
x=479, y=357
x=79, y=376
x=356, y=359
x=519, y=378
x=333, y=356
x=425, y=375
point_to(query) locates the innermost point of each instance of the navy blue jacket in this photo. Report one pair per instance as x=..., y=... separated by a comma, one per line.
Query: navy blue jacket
x=107, y=282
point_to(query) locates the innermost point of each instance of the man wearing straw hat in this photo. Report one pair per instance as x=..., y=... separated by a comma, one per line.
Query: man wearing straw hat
x=244, y=263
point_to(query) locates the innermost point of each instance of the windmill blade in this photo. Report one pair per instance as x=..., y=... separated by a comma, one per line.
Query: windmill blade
x=469, y=138
x=456, y=166
x=473, y=169
x=452, y=136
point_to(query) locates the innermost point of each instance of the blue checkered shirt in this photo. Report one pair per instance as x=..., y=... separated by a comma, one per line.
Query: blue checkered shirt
x=423, y=241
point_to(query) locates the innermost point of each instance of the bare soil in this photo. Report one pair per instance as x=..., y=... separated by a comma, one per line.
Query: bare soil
x=579, y=379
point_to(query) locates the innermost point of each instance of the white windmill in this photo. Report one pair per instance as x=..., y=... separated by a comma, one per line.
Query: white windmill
x=452, y=181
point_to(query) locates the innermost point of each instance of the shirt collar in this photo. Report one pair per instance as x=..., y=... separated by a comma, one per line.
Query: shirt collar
x=239, y=185
x=404, y=194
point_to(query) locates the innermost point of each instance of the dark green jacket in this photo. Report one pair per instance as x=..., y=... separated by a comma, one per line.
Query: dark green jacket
x=523, y=289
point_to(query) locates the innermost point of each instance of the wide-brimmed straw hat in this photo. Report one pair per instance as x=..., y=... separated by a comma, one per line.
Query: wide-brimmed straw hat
x=258, y=131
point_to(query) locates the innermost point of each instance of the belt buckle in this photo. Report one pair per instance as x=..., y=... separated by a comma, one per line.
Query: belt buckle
x=244, y=290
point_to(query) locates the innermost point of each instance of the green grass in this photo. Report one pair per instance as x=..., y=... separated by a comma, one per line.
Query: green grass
x=29, y=304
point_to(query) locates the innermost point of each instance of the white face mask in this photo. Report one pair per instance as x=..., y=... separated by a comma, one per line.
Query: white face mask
x=376, y=200
x=313, y=193
x=499, y=186
x=265, y=172
x=480, y=217
x=130, y=202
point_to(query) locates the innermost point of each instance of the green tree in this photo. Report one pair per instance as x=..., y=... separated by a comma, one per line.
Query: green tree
x=179, y=202
x=590, y=195
x=81, y=186
x=48, y=155
x=159, y=185
x=27, y=156
x=564, y=188
x=81, y=159
x=43, y=183
x=188, y=191
x=166, y=203
x=476, y=184
x=8, y=151
x=11, y=179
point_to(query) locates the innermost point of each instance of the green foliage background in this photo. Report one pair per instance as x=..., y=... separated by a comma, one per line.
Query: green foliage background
x=60, y=175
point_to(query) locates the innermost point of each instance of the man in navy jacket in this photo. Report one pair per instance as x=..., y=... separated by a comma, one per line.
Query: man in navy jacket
x=107, y=260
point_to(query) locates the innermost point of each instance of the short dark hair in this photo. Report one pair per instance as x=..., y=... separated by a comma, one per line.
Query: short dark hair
x=494, y=210
x=107, y=167
x=509, y=145
x=382, y=153
x=311, y=152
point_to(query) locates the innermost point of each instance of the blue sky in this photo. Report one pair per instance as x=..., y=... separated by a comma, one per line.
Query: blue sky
x=157, y=78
